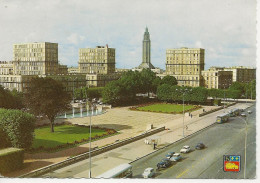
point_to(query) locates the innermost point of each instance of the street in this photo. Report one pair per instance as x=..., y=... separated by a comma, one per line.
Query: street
x=220, y=139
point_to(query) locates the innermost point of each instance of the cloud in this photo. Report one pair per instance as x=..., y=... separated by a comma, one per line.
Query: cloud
x=75, y=38
x=220, y=27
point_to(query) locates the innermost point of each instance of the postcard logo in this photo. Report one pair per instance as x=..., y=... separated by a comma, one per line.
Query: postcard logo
x=231, y=163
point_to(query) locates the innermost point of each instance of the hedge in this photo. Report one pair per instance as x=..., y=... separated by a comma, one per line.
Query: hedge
x=11, y=159
x=16, y=128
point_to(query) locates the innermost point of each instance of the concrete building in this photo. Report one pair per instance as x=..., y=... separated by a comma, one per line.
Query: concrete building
x=73, y=70
x=6, y=68
x=186, y=65
x=35, y=58
x=100, y=80
x=146, y=61
x=16, y=82
x=99, y=60
x=98, y=64
x=242, y=74
x=217, y=78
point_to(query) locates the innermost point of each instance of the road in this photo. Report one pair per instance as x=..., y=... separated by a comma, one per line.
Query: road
x=220, y=139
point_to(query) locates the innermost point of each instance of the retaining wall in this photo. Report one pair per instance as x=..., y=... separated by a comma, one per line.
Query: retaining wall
x=83, y=156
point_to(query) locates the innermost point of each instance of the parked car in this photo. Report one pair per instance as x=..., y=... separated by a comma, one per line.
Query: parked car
x=243, y=114
x=185, y=149
x=200, y=146
x=169, y=155
x=176, y=157
x=164, y=163
x=249, y=111
x=148, y=172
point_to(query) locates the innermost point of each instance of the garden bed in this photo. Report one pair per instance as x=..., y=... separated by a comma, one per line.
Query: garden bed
x=166, y=108
x=66, y=135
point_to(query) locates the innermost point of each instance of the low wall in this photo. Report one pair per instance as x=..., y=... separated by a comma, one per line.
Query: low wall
x=83, y=156
x=217, y=109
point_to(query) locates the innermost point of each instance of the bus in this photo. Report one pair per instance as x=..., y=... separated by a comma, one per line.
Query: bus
x=222, y=118
x=121, y=171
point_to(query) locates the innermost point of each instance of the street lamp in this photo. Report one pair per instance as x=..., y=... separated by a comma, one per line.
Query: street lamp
x=245, y=144
x=90, y=144
x=183, y=92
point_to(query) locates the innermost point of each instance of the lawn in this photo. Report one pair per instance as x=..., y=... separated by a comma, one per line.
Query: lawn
x=166, y=108
x=62, y=134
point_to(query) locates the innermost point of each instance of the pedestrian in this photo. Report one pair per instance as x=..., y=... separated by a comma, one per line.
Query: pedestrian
x=191, y=115
x=154, y=146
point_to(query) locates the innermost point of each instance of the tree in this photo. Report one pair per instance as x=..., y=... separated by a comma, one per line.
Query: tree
x=16, y=128
x=47, y=97
x=147, y=78
x=170, y=80
x=111, y=93
x=10, y=99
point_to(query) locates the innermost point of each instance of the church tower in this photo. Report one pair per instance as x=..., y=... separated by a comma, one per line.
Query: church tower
x=146, y=62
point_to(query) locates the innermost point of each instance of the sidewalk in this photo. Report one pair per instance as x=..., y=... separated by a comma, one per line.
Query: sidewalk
x=173, y=122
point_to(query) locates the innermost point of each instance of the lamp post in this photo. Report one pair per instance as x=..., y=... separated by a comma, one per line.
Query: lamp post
x=90, y=144
x=245, y=144
x=183, y=92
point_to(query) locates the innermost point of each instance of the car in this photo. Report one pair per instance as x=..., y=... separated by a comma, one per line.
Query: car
x=169, y=155
x=176, y=157
x=243, y=114
x=164, y=163
x=185, y=149
x=249, y=111
x=148, y=172
x=200, y=146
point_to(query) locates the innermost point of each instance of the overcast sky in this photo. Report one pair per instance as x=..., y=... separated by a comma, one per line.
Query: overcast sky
x=226, y=29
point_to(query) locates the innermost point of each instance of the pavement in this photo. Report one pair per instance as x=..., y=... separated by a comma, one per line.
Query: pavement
x=135, y=150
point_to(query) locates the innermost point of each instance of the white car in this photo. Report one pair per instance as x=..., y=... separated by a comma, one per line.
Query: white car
x=148, y=172
x=185, y=149
x=249, y=112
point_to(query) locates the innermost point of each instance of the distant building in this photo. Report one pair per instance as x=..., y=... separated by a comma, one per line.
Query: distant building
x=186, y=65
x=242, y=74
x=35, y=58
x=73, y=70
x=99, y=60
x=6, y=68
x=98, y=64
x=217, y=78
x=146, y=61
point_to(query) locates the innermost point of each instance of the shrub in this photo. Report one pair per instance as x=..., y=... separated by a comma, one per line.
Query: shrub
x=11, y=159
x=16, y=129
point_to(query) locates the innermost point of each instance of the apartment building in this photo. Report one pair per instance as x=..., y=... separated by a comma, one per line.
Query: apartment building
x=186, y=65
x=242, y=74
x=35, y=58
x=99, y=60
x=217, y=78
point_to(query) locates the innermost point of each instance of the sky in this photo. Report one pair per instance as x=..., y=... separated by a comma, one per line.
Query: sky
x=226, y=29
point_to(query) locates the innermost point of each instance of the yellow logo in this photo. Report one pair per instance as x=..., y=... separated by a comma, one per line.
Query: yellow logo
x=231, y=166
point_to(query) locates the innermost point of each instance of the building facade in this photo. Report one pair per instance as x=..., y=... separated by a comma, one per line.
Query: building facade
x=99, y=60
x=35, y=58
x=217, y=78
x=242, y=74
x=186, y=65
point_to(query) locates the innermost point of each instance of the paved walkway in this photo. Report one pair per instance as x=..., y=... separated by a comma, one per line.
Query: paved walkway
x=128, y=123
